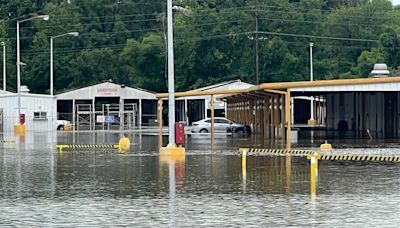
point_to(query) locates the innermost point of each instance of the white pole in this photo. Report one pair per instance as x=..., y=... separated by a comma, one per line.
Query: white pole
x=311, y=79
x=4, y=67
x=51, y=68
x=171, y=83
x=18, y=72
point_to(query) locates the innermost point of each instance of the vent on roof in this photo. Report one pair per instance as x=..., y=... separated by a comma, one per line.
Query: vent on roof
x=380, y=70
x=24, y=89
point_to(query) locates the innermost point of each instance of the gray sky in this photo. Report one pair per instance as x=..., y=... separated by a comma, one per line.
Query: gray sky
x=396, y=2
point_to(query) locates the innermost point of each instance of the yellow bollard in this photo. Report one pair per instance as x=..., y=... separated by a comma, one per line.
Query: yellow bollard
x=326, y=146
x=313, y=174
x=244, y=162
x=124, y=144
x=19, y=129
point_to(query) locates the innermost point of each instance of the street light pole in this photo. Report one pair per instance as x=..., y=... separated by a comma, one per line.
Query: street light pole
x=44, y=17
x=4, y=66
x=171, y=82
x=311, y=79
x=52, y=58
x=257, y=57
x=18, y=72
x=311, y=62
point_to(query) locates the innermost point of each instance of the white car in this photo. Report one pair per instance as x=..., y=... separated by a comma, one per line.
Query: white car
x=220, y=125
x=62, y=123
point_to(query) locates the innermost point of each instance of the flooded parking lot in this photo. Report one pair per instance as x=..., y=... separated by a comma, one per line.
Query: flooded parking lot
x=42, y=188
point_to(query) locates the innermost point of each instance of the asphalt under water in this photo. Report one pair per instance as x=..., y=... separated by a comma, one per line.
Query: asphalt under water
x=42, y=188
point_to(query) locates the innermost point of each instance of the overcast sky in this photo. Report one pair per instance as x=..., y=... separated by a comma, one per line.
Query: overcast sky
x=396, y=2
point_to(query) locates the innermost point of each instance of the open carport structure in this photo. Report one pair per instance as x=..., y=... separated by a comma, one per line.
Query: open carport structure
x=341, y=105
x=357, y=105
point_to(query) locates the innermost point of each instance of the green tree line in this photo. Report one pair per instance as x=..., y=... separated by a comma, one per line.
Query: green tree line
x=124, y=40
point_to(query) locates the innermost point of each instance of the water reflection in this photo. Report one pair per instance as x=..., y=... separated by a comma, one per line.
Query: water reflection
x=176, y=179
x=41, y=188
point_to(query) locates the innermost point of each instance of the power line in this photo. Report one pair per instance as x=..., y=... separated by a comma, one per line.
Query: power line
x=100, y=33
x=313, y=9
x=315, y=14
x=89, y=24
x=319, y=37
x=319, y=22
x=183, y=40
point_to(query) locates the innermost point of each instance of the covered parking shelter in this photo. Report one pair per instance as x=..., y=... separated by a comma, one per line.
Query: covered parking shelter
x=361, y=106
x=107, y=105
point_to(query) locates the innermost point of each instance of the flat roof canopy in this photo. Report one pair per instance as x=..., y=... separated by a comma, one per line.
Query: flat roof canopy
x=339, y=85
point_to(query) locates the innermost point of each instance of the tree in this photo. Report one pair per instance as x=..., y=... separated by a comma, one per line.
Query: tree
x=145, y=62
x=367, y=60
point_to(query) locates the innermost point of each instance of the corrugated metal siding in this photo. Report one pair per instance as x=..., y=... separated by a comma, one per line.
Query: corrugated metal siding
x=351, y=88
x=29, y=105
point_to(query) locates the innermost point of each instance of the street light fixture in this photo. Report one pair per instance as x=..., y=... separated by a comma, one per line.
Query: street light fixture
x=52, y=61
x=43, y=17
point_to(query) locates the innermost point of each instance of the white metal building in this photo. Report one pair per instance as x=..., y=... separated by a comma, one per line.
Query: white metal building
x=39, y=110
x=198, y=107
x=128, y=106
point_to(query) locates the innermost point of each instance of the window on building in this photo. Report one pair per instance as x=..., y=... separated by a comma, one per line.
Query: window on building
x=39, y=115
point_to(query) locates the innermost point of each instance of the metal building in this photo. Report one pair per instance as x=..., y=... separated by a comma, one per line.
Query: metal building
x=38, y=109
x=107, y=106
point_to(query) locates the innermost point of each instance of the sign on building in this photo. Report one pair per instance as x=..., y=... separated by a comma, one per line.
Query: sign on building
x=105, y=119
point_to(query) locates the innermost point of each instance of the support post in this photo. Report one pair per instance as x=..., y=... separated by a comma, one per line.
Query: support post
x=121, y=114
x=272, y=117
x=159, y=120
x=74, y=114
x=92, y=115
x=283, y=116
x=212, y=122
x=186, y=113
x=140, y=114
x=288, y=121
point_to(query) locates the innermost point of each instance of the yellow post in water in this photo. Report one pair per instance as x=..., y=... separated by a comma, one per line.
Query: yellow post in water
x=19, y=129
x=244, y=170
x=244, y=162
x=124, y=144
x=313, y=174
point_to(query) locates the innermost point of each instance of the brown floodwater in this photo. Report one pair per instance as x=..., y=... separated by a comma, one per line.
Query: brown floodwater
x=42, y=188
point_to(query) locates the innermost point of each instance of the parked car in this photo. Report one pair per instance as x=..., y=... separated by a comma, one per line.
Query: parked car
x=62, y=123
x=220, y=125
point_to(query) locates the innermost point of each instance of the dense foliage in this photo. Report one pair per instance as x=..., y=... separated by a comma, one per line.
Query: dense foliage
x=124, y=40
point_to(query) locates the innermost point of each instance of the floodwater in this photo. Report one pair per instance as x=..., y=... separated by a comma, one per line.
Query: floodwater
x=42, y=188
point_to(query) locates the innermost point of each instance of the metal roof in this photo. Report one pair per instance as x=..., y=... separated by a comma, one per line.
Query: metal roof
x=107, y=89
x=358, y=84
